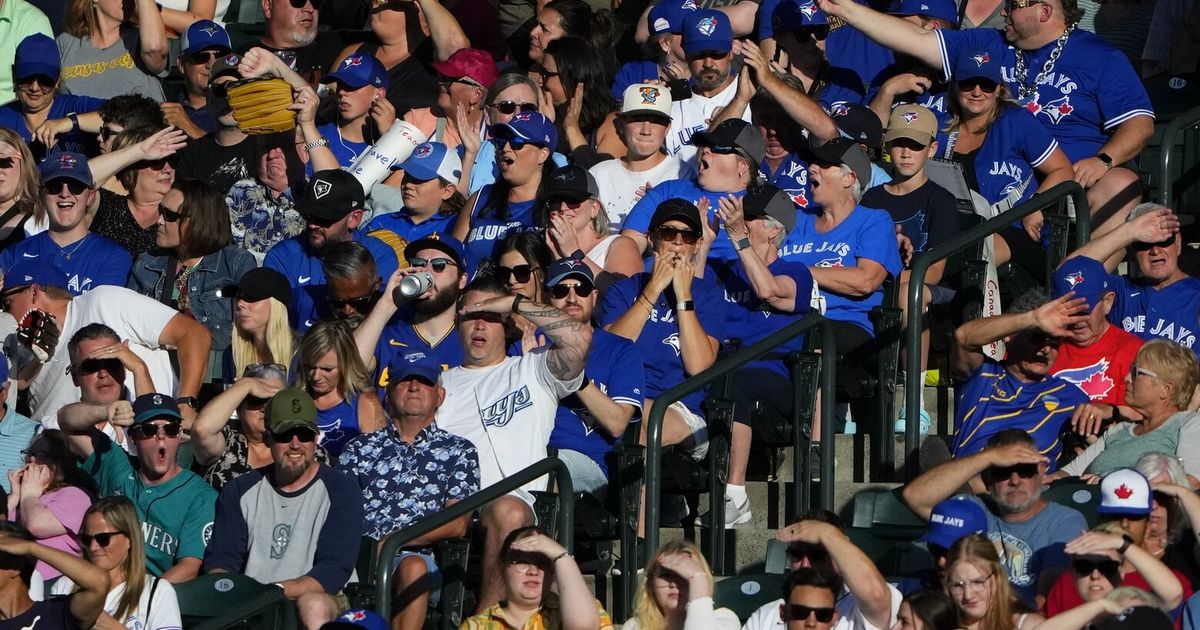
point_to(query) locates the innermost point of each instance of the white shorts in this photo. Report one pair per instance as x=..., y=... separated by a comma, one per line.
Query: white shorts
x=698, y=442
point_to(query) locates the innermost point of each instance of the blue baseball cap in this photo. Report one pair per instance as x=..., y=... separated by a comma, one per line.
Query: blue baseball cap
x=942, y=9
x=39, y=271
x=532, y=127
x=149, y=407
x=976, y=64
x=444, y=243
x=952, y=519
x=359, y=70
x=37, y=55
x=666, y=16
x=205, y=35
x=564, y=268
x=1086, y=277
x=357, y=619
x=430, y=160
x=792, y=15
x=3, y=369
x=707, y=29
x=401, y=369
x=66, y=165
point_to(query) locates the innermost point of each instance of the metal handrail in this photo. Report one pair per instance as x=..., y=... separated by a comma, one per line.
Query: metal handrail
x=391, y=545
x=723, y=367
x=922, y=263
x=1166, y=184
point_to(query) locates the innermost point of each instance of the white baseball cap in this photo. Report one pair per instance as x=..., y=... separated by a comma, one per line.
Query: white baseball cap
x=1125, y=492
x=646, y=98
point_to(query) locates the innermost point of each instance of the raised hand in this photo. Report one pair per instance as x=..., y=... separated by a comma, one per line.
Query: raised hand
x=383, y=113
x=661, y=274
x=1057, y=316
x=1155, y=226
x=466, y=132
x=162, y=144
x=304, y=103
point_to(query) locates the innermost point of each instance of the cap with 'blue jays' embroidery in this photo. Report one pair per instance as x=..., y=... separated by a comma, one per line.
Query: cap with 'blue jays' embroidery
x=707, y=29
x=359, y=70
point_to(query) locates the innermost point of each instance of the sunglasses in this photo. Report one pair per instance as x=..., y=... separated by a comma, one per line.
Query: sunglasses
x=516, y=143
x=39, y=455
x=40, y=79
x=169, y=215
x=560, y=291
x=357, y=303
x=484, y=316
x=1083, y=566
x=546, y=74
x=438, y=265
x=816, y=554
x=1141, y=247
x=160, y=164
x=321, y=222
x=519, y=273
x=987, y=86
x=510, y=107
x=8, y=162
x=800, y=612
x=107, y=132
x=6, y=297
x=91, y=366
x=304, y=434
x=149, y=430
x=669, y=234
x=708, y=54
x=255, y=403
x=55, y=186
x=1137, y=370
x=1024, y=471
x=1012, y=5
x=101, y=538
x=205, y=56
x=299, y=4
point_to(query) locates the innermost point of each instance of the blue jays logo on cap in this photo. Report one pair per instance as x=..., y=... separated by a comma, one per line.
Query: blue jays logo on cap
x=352, y=60
x=649, y=95
x=706, y=26
x=423, y=151
x=839, y=108
x=353, y=615
x=571, y=263
x=209, y=30
x=808, y=9
x=981, y=59
x=523, y=117
x=1074, y=278
x=910, y=117
x=66, y=160
x=689, y=5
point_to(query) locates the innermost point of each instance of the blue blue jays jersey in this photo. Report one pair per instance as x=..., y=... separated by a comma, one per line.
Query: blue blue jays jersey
x=847, y=47
x=487, y=232
x=659, y=342
x=401, y=224
x=1015, y=145
x=1091, y=89
x=866, y=233
x=400, y=338
x=346, y=151
x=1172, y=312
x=302, y=267
x=615, y=366
x=62, y=106
x=642, y=211
x=792, y=178
x=753, y=319
x=337, y=425
x=992, y=400
x=94, y=260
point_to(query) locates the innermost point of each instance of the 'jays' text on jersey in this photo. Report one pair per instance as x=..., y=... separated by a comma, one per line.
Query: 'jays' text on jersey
x=992, y=400
x=487, y=232
x=693, y=114
x=89, y=262
x=1172, y=312
x=792, y=178
x=752, y=319
x=1015, y=145
x=615, y=366
x=865, y=233
x=1091, y=89
x=1099, y=369
x=639, y=217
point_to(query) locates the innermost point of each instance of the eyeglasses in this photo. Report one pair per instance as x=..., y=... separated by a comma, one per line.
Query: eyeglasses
x=518, y=273
x=1137, y=370
x=304, y=434
x=149, y=430
x=985, y=85
x=101, y=538
x=205, y=56
x=107, y=132
x=510, y=107
x=359, y=303
x=55, y=186
x=546, y=74
x=438, y=265
x=483, y=316
x=91, y=366
x=6, y=297
x=40, y=79
x=39, y=455
x=708, y=54
x=800, y=612
x=560, y=291
x=7, y=162
x=1013, y=5
x=669, y=234
x=1141, y=247
x=976, y=584
x=169, y=215
x=516, y=143
x=1083, y=566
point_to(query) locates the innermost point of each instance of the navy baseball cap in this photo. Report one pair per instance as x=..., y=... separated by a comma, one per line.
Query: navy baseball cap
x=430, y=160
x=149, y=407
x=205, y=35
x=39, y=271
x=564, y=268
x=858, y=123
x=666, y=16
x=66, y=165
x=37, y=55
x=442, y=242
x=707, y=29
x=942, y=9
x=976, y=64
x=401, y=369
x=532, y=127
x=792, y=15
x=358, y=70
x=1086, y=277
x=952, y=519
x=357, y=619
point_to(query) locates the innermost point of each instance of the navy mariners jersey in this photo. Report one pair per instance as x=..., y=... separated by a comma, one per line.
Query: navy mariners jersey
x=615, y=366
x=1091, y=89
x=401, y=224
x=659, y=341
x=400, y=338
x=94, y=260
x=753, y=319
x=1015, y=145
x=302, y=267
x=642, y=211
x=1172, y=312
x=866, y=233
x=487, y=232
x=792, y=178
x=992, y=400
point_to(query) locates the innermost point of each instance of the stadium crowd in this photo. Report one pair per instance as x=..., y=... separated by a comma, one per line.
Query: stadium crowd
x=240, y=337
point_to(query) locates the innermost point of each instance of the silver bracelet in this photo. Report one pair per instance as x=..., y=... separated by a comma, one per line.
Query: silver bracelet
x=319, y=142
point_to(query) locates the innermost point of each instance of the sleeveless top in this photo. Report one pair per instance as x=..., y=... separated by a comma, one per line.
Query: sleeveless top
x=599, y=253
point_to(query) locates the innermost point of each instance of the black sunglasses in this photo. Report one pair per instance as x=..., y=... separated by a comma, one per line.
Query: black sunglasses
x=91, y=366
x=357, y=303
x=321, y=222
x=486, y=316
x=169, y=215
x=101, y=538
x=205, y=56
x=519, y=273
x=40, y=79
x=516, y=143
x=299, y=4
x=560, y=291
x=254, y=402
x=800, y=612
x=510, y=107
x=6, y=297
x=7, y=162
x=1024, y=471
x=667, y=233
x=1083, y=566
x=816, y=554
x=304, y=434
x=546, y=74
x=55, y=186
x=1141, y=247
x=438, y=265
x=107, y=132
x=149, y=430
x=159, y=164
x=984, y=85
x=708, y=54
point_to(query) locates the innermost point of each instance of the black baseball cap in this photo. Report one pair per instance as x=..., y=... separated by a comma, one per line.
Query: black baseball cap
x=261, y=283
x=848, y=152
x=676, y=209
x=332, y=194
x=734, y=133
x=571, y=182
x=858, y=123
x=769, y=201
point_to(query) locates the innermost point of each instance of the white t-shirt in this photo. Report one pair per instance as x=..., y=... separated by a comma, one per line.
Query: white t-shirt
x=700, y=616
x=135, y=318
x=507, y=411
x=618, y=185
x=850, y=617
x=161, y=614
x=694, y=114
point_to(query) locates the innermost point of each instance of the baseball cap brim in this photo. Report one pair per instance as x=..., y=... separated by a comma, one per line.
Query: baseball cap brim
x=346, y=80
x=912, y=134
x=695, y=48
x=65, y=174
x=155, y=414
x=676, y=215
x=418, y=171
x=310, y=208
x=645, y=111
x=403, y=371
x=410, y=251
x=27, y=69
x=940, y=538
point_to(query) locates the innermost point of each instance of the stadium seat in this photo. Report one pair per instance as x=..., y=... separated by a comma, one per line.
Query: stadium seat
x=881, y=510
x=895, y=559
x=744, y=594
x=231, y=600
x=1078, y=495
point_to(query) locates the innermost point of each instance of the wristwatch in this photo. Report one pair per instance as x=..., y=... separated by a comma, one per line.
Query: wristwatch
x=582, y=386
x=1105, y=159
x=741, y=243
x=1125, y=545
x=319, y=142
x=685, y=305
x=190, y=401
x=74, y=121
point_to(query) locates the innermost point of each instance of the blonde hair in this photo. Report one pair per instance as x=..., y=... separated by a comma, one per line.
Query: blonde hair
x=81, y=18
x=1173, y=363
x=977, y=550
x=1123, y=594
x=646, y=609
x=1003, y=99
x=28, y=200
x=121, y=515
x=337, y=336
x=280, y=340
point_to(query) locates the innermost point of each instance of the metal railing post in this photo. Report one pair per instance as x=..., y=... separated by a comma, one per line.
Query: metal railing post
x=1166, y=184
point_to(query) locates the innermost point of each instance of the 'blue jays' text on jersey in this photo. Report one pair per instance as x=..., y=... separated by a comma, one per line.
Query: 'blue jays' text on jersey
x=302, y=267
x=401, y=339
x=992, y=400
x=792, y=178
x=1015, y=145
x=639, y=216
x=659, y=343
x=866, y=233
x=487, y=232
x=1091, y=89
x=615, y=366
x=401, y=224
x=94, y=260
x=1172, y=312
x=752, y=319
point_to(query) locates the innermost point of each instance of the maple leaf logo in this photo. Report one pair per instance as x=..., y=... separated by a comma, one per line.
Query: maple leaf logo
x=1093, y=379
x=1074, y=279
x=1123, y=492
x=800, y=199
x=1097, y=385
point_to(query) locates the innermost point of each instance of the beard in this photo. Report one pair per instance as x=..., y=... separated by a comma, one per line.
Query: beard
x=286, y=472
x=707, y=80
x=438, y=304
